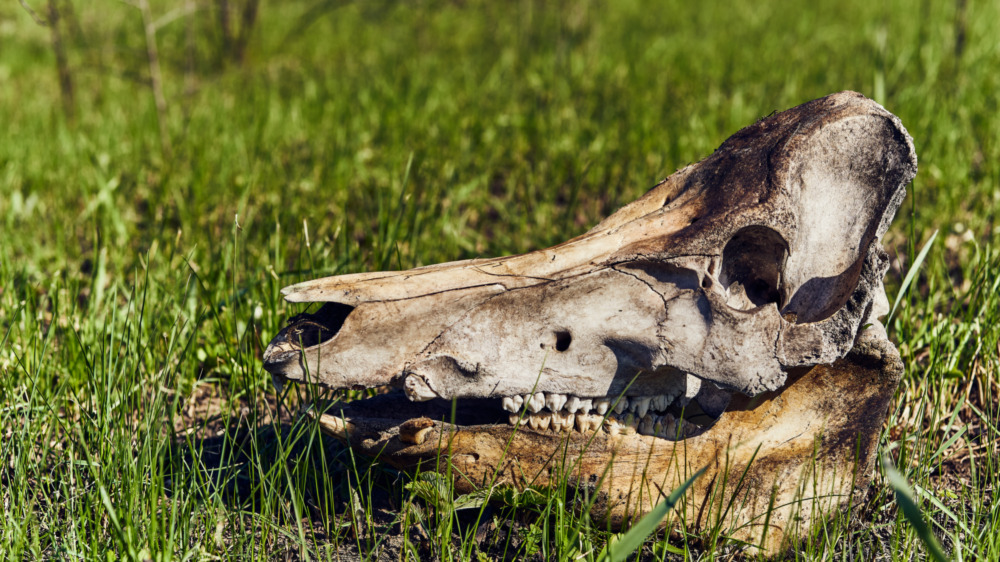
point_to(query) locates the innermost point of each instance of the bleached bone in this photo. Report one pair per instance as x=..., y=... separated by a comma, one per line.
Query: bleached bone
x=734, y=275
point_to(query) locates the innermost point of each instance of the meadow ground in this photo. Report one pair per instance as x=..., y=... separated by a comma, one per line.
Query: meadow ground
x=167, y=166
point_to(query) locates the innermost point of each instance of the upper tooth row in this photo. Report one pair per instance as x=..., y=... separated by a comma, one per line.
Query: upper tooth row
x=665, y=426
x=534, y=403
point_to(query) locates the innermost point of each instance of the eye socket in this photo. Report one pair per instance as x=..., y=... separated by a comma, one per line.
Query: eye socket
x=752, y=265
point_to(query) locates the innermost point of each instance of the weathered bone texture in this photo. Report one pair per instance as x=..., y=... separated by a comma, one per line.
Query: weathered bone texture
x=750, y=274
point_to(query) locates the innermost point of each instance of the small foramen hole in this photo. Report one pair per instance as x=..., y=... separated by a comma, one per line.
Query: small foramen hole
x=563, y=339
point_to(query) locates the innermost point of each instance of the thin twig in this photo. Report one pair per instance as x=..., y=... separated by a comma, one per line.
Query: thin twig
x=34, y=15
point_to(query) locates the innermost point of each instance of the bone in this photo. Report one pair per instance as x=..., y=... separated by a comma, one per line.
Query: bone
x=693, y=385
x=416, y=389
x=712, y=399
x=536, y=402
x=555, y=402
x=336, y=426
x=415, y=431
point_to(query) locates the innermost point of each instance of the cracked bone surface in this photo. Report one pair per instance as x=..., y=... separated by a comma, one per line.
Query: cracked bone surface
x=729, y=315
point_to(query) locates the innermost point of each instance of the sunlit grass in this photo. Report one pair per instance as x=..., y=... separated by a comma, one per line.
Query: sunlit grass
x=138, y=289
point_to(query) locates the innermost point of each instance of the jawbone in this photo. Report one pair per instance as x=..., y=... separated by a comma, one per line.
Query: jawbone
x=775, y=463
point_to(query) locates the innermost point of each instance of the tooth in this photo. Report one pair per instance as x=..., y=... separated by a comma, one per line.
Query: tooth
x=640, y=405
x=516, y=420
x=586, y=422
x=646, y=425
x=660, y=402
x=536, y=402
x=517, y=401
x=586, y=405
x=670, y=428
x=562, y=421
x=630, y=420
x=416, y=389
x=572, y=404
x=555, y=402
x=508, y=404
x=539, y=421
x=601, y=406
x=657, y=425
x=621, y=405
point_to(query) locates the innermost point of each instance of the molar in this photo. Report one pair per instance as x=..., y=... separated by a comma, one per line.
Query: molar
x=539, y=422
x=646, y=425
x=535, y=402
x=601, y=406
x=573, y=404
x=562, y=421
x=512, y=403
x=586, y=422
x=555, y=402
x=516, y=420
x=661, y=402
x=621, y=405
x=640, y=405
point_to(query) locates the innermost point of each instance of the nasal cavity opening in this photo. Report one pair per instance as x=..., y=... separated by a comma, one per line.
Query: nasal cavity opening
x=312, y=329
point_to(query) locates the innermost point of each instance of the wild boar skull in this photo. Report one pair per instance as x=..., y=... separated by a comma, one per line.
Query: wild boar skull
x=730, y=278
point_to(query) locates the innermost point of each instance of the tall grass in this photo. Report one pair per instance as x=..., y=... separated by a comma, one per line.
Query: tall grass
x=138, y=287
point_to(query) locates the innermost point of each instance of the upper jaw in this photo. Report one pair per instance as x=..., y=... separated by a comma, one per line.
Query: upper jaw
x=758, y=260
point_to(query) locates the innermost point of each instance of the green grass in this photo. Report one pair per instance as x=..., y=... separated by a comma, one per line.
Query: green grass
x=138, y=287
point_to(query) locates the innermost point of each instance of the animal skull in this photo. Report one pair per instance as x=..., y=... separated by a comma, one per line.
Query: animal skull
x=714, y=314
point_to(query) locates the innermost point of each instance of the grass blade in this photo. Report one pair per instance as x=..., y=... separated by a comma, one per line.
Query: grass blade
x=908, y=280
x=904, y=497
x=633, y=539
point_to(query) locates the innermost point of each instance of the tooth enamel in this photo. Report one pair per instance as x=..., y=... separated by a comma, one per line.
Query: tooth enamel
x=416, y=389
x=586, y=422
x=516, y=420
x=572, y=404
x=640, y=405
x=536, y=402
x=562, y=421
x=601, y=406
x=646, y=425
x=621, y=405
x=539, y=422
x=658, y=426
x=517, y=401
x=555, y=402
x=660, y=402
x=629, y=420
x=508, y=404
x=586, y=406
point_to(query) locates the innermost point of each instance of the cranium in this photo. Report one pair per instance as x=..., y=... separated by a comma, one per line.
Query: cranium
x=707, y=323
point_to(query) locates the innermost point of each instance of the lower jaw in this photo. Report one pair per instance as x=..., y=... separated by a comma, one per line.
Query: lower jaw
x=780, y=461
